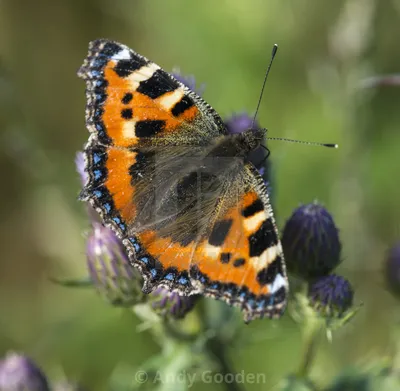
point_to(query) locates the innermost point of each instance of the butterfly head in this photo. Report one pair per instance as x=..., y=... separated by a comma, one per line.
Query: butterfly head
x=249, y=140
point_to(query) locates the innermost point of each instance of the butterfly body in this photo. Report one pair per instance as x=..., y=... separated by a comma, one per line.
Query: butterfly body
x=176, y=187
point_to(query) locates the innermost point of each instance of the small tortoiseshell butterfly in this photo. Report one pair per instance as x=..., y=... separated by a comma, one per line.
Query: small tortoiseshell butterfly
x=176, y=187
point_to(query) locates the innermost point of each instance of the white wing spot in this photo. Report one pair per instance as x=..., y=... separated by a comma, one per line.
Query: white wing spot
x=267, y=257
x=211, y=251
x=124, y=54
x=252, y=223
x=169, y=100
x=142, y=74
x=278, y=283
x=128, y=129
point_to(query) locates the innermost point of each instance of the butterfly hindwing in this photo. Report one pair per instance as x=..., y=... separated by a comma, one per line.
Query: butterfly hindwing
x=240, y=258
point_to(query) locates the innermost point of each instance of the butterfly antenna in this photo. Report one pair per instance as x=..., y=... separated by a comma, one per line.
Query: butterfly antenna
x=328, y=145
x=274, y=50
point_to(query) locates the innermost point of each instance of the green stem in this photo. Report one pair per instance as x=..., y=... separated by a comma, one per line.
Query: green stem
x=181, y=347
x=84, y=282
x=313, y=330
x=180, y=361
x=218, y=351
x=178, y=334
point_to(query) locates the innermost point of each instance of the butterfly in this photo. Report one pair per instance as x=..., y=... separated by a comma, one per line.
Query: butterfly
x=179, y=191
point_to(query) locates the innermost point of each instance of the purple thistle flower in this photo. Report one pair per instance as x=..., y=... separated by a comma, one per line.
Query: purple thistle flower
x=238, y=123
x=19, y=373
x=189, y=81
x=311, y=242
x=167, y=303
x=110, y=269
x=392, y=269
x=331, y=295
x=80, y=167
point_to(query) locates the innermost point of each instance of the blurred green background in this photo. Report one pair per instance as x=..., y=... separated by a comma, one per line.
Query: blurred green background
x=316, y=91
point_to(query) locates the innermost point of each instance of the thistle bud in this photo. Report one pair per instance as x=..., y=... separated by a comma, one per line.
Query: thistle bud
x=311, y=242
x=331, y=296
x=19, y=373
x=167, y=303
x=110, y=269
x=392, y=269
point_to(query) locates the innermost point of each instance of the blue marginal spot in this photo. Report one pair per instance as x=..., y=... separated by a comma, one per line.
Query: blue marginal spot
x=96, y=158
x=271, y=300
x=214, y=286
x=170, y=276
x=261, y=304
x=136, y=247
x=117, y=220
x=96, y=73
x=107, y=207
x=153, y=272
x=203, y=279
x=242, y=295
x=183, y=280
x=122, y=226
x=99, y=83
x=145, y=260
x=99, y=127
x=100, y=61
x=98, y=193
x=97, y=174
x=135, y=244
x=99, y=97
x=250, y=302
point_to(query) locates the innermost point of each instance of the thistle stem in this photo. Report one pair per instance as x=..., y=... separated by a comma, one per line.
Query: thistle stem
x=313, y=333
x=218, y=351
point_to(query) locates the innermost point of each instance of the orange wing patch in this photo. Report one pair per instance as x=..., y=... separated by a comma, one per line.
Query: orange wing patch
x=229, y=262
x=118, y=181
x=130, y=115
x=169, y=254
